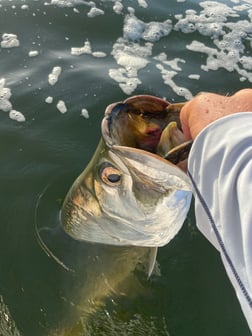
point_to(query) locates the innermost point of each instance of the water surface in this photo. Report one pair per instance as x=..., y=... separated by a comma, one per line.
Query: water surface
x=171, y=49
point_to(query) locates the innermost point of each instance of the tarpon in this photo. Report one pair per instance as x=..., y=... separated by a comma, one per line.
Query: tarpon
x=132, y=197
x=131, y=193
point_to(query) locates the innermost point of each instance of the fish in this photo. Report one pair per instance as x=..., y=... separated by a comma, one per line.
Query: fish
x=131, y=199
x=131, y=193
x=108, y=274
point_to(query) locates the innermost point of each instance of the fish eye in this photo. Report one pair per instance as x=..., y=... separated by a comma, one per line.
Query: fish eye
x=110, y=175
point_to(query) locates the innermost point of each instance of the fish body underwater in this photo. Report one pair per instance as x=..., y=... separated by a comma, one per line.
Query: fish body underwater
x=111, y=275
x=131, y=199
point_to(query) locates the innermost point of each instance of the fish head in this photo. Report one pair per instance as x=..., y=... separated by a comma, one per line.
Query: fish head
x=128, y=194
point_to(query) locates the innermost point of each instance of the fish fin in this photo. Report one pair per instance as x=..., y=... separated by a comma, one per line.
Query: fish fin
x=152, y=260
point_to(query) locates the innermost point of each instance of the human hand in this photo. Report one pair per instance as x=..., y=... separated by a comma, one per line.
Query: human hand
x=208, y=107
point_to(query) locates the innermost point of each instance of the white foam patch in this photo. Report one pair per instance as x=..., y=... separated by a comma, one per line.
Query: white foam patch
x=54, y=75
x=61, y=106
x=135, y=29
x=118, y=7
x=194, y=76
x=229, y=35
x=5, y=94
x=246, y=62
x=93, y=12
x=49, y=100
x=228, y=60
x=131, y=54
x=9, y=41
x=142, y=3
x=5, y=104
x=173, y=63
x=33, y=53
x=131, y=59
x=16, y=115
x=168, y=70
x=127, y=84
x=154, y=31
x=84, y=113
x=87, y=49
x=168, y=76
x=225, y=28
x=227, y=43
x=99, y=54
x=67, y=3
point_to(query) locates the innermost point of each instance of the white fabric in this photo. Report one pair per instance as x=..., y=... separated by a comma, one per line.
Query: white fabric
x=220, y=167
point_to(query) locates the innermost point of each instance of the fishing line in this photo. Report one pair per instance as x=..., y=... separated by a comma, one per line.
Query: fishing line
x=38, y=230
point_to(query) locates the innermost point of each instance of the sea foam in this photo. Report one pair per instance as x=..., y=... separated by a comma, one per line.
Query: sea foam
x=67, y=3
x=95, y=12
x=54, y=75
x=84, y=113
x=87, y=49
x=228, y=46
x=61, y=106
x=16, y=115
x=229, y=35
x=5, y=104
x=219, y=32
x=9, y=41
x=33, y=53
x=131, y=54
x=5, y=94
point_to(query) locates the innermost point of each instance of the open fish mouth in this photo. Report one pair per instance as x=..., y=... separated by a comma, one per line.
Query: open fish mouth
x=149, y=123
x=133, y=191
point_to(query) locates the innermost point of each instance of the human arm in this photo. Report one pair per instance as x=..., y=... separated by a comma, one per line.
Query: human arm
x=220, y=168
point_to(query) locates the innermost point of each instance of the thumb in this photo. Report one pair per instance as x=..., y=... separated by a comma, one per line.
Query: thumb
x=184, y=119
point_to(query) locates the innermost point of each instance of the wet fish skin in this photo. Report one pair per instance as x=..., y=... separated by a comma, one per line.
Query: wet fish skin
x=137, y=211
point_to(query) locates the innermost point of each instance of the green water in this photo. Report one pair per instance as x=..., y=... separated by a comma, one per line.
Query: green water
x=42, y=156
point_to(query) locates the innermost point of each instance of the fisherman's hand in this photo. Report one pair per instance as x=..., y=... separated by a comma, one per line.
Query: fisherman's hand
x=208, y=107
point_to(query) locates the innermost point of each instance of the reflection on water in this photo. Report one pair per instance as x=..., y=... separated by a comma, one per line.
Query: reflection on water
x=105, y=50
x=107, y=324
x=7, y=324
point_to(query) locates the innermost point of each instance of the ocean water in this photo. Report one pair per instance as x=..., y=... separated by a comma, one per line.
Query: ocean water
x=61, y=64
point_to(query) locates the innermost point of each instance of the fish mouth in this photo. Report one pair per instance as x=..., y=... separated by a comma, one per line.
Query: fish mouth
x=149, y=123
